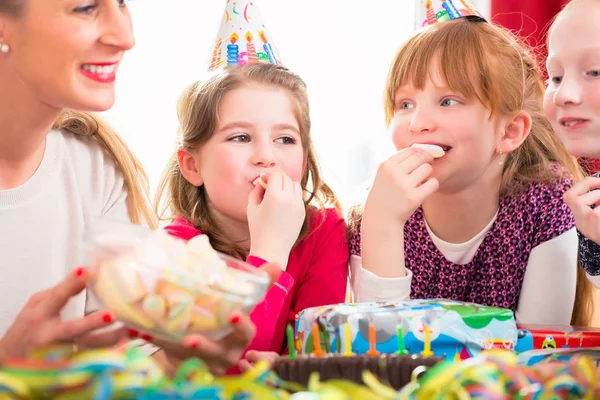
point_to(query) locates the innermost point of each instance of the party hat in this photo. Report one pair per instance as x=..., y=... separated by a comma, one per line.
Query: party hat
x=243, y=38
x=430, y=12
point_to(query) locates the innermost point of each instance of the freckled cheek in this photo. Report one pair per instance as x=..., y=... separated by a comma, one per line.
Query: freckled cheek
x=549, y=107
x=594, y=96
x=399, y=130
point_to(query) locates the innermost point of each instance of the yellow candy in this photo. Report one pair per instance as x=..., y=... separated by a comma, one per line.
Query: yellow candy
x=108, y=292
x=180, y=315
x=155, y=307
x=204, y=314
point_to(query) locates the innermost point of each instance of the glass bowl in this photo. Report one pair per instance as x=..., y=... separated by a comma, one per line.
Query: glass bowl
x=167, y=287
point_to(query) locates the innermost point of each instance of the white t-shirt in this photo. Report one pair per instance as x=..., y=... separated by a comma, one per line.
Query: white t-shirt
x=42, y=221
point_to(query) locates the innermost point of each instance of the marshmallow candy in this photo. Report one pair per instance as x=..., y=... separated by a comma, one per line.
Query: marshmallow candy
x=259, y=181
x=434, y=150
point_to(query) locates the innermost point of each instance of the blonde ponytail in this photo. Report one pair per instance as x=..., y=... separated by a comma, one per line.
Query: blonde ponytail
x=87, y=124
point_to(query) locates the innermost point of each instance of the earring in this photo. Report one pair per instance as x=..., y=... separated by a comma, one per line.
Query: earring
x=4, y=48
x=500, y=161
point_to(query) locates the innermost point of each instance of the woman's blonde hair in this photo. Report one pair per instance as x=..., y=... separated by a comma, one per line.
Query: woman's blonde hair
x=198, y=118
x=487, y=63
x=87, y=124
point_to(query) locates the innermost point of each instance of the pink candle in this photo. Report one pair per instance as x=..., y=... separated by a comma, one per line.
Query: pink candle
x=252, y=57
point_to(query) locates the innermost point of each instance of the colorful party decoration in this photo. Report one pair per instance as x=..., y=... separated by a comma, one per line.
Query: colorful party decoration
x=243, y=37
x=443, y=328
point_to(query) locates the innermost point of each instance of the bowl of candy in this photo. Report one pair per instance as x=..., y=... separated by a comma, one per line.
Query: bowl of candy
x=167, y=287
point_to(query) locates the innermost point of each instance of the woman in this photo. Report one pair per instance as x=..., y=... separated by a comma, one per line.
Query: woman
x=60, y=168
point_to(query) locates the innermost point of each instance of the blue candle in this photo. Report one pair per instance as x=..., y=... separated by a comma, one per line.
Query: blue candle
x=232, y=54
x=450, y=9
x=269, y=51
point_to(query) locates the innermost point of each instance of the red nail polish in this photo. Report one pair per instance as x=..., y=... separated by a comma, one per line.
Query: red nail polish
x=146, y=337
x=79, y=271
x=235, y=319
x=108, y=318
x=133, y=333
x=194, y=344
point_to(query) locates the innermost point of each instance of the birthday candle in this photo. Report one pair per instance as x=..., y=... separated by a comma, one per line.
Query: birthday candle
x=243, y=58
x=232, y=50
x=216, y=58
x=348, y=341
x=372, y=341
x=442, y=16
x=317, y=341
x=427, y=348
x=430, y=14
x=401, y=349
x=267, y=47
x=252, y=58
x=450, y=9
x=290, y=337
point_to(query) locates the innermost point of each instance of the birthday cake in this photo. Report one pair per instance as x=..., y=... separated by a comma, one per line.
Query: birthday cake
x=444, y=328
x=395, y=370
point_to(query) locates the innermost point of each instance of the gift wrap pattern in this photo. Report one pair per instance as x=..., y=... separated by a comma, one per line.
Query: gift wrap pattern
x=533, y=357
x=542, y=337
x=457, y=330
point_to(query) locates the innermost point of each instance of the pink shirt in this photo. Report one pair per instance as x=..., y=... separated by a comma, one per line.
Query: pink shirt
x=316, y=275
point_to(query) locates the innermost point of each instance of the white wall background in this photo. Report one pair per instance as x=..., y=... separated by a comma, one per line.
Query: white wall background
x=342, y=49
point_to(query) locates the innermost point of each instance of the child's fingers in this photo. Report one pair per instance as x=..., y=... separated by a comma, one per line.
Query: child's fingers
x=428, y=187
x=589, y=198
x=256, y=195
x=583, y=186
x=254, y=356
x=287, y=183
x=415, y=161
x=402, y=155
x=419, y=175
x=58, y=296
x=244, y=365
x=274, y=181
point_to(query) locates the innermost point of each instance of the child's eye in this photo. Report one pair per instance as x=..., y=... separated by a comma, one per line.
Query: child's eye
x=286, y=140
x=555, y=80
x=240, y=138
x=449, y=102
x=594, y=73
x=405, y=105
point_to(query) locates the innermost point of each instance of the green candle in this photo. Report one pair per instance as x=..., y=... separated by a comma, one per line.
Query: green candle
x=401, y=350
x=290, y=337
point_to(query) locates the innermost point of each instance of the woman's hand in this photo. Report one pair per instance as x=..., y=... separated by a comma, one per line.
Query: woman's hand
x=39, y=322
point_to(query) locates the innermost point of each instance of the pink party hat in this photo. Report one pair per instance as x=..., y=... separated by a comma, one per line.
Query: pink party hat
x=243, y=37
x=430, y=12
